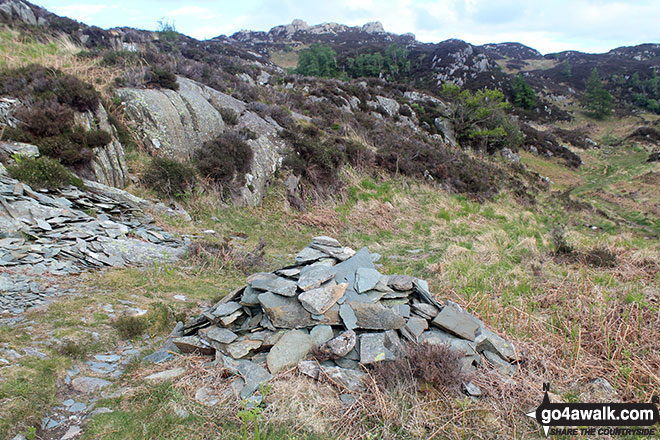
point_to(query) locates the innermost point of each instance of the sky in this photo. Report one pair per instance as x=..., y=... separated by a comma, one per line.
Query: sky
x=548, y=26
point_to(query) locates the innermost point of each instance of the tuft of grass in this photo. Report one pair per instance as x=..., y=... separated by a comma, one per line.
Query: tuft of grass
x=130, y=327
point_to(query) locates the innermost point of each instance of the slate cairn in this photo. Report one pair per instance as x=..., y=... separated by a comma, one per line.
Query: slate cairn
x=335, y=303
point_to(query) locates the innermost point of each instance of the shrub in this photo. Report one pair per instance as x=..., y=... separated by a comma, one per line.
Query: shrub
x=318, y=60
x=73, y=349
x=559, y=241
x=316, y=159
x=169, y=177
x=225, y=159
x=38, y=83
x=130, y=327
x=43, y=172
x=229, y=115
x=45, y=118
x=161, y=77
x=600, y=257
x=435, y=364
x=209, y=253
x=77, y=94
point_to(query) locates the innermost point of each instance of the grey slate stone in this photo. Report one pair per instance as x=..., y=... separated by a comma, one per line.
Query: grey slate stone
x=241, y=349
x=321, y=334
x=285, y=312
x=490, y=341
x=414, y=328
x=226, y=309
x=400, y=282
x=309, y=255
x=193, y=344
x=428, y=311
x=279, y=285
x=499, y=363
x=454, y=319
x=318, y=301
x=366, y=279
x=376, y=317
x=292, y=347
x=253, y=374
x=88, y=385
x=312, y=277
x=339, y=346
x=376, y=347
x=219, y=334
x=348, y=316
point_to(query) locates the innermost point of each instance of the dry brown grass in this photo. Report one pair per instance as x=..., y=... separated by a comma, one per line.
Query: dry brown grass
x=58, y=52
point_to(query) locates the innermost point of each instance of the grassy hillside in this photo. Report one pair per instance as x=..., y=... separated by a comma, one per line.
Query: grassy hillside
x=573, y=279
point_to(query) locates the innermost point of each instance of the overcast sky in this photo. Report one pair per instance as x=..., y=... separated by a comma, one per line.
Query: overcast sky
x=549, y=26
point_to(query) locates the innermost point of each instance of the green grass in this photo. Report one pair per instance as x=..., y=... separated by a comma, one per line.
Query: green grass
x=27, y=392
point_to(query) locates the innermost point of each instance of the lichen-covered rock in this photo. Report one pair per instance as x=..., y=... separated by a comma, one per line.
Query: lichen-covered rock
x=109, y=163
x=176, y=123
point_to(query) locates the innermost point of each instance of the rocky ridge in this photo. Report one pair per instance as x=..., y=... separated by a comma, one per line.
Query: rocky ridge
x=333, y=303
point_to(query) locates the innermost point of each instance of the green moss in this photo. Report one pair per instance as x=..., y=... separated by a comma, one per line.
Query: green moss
x=43, y=172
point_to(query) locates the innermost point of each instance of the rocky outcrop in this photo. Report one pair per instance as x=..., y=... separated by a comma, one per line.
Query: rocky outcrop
x=176, y=123
x=19, y=10
x=109, y=164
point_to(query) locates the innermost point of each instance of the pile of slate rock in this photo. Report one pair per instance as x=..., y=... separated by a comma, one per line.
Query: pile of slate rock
x=332, y=302
x=69, y=231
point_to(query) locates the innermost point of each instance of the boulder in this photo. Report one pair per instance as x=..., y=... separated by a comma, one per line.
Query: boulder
x=292, y=347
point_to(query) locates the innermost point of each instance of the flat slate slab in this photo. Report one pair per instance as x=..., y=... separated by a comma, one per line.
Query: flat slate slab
x=377, y=347
x=321, y=334
x=241, y=349
x=292, y=347
x=253, y=374
x=454, y=319
x=193, y=344
x=366, y=279
x=279, y=285
x=226, y=309
x=348, y=316
x=490, y=341
x=318, y=301
x=339, y=346
x=400, y=282
x=219, y=334
x=285, y=312
x=376, y=317
x=313, y=276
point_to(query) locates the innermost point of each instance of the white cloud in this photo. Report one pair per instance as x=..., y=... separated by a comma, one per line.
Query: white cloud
x=192, y=11
x=81, y=12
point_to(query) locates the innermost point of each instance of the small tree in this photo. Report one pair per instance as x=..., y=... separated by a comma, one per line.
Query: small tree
x=523, y=94
x=598, y=100
x=318, y=60
x=479, y=119
x=167, y=33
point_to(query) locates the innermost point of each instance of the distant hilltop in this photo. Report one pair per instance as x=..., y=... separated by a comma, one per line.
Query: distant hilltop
x=288, y=31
